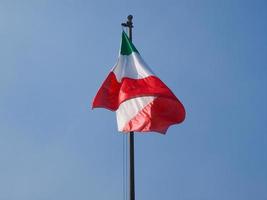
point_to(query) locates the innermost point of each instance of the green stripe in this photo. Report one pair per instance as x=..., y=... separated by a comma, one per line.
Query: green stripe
x=127, y=46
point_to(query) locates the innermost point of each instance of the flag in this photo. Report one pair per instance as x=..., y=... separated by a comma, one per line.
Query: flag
x=141, y=100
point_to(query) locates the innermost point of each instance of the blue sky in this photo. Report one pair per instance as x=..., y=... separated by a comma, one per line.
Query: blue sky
x=54, y=56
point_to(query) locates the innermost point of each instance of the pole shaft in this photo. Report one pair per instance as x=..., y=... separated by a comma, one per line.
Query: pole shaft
x=129, y=24
x=131, y=134
x=131, y=152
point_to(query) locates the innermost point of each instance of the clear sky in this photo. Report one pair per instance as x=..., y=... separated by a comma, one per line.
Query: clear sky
x=54, y=54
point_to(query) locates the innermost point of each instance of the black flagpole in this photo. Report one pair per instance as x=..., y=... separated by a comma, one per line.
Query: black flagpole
x=129, y=24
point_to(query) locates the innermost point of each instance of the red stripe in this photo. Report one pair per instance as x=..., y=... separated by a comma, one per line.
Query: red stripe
x=112, y=93
x=107, y=95
x=157, y=116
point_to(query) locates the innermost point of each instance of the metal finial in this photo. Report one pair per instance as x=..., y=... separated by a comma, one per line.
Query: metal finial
x=130, y=17
x=129, y=22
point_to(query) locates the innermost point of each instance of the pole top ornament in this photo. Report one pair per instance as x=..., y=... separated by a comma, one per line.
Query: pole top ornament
x=129, y=22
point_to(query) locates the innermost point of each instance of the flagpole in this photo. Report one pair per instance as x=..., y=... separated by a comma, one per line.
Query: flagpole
x=129, y=24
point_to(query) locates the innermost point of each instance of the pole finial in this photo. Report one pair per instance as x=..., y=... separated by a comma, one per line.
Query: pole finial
x=129, y=22
x=130, y=17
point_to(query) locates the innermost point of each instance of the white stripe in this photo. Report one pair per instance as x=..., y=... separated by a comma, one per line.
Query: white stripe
x=131, y=66
x=130, y=108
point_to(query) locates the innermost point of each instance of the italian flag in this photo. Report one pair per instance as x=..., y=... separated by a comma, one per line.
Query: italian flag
x=141, y=100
